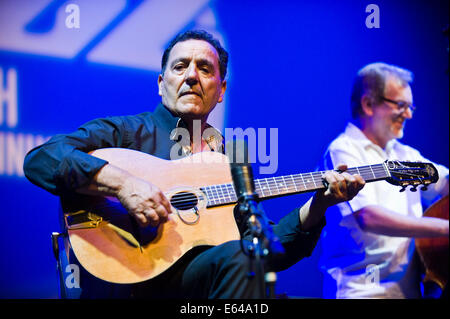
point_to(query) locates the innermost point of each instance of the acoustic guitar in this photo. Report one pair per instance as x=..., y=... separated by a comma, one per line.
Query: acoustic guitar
x=110, y=245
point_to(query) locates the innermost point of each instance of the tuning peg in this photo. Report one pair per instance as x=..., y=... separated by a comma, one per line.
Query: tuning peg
x=403, y=189
x=413, y=188
x=424, y=188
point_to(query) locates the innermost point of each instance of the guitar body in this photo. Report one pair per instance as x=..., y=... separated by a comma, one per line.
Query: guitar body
x=434, y=251
x=115, y=249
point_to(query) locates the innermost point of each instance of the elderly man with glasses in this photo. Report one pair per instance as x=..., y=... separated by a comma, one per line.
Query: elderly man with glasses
x=367, y=244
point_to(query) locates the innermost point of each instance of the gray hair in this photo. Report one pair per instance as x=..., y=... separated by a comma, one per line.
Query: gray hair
x=371, y=80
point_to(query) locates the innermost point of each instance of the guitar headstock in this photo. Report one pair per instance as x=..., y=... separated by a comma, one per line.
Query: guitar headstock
x=411, y=173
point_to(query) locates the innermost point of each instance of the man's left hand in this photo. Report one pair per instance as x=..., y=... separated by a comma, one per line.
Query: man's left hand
x=342, y=186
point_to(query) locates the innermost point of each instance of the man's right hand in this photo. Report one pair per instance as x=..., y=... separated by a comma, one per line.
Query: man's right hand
x=144, y=201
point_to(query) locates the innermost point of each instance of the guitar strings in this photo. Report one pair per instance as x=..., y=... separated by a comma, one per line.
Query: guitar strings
x=228, y=193
x=288, y=184
x=225, y=193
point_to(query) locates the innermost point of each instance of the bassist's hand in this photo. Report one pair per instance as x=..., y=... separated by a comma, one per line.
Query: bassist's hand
x=144, y=201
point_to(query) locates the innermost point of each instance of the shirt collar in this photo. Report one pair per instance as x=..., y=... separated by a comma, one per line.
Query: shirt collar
x=213, y=138
x=355, y=133
x=165, y=118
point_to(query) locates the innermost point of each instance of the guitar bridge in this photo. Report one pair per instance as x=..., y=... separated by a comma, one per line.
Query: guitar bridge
x=82, y=220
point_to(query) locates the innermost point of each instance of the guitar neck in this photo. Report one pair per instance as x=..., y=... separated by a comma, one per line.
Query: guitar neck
x=270, y=187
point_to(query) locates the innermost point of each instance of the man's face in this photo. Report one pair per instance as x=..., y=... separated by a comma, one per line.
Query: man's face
x=388, y=120
x=191, y=85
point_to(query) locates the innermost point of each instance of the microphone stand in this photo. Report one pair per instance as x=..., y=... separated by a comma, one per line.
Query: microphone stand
x=263, y=241
x=262, y=244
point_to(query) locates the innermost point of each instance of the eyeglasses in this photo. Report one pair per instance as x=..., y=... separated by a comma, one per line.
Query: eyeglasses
x=401, y=105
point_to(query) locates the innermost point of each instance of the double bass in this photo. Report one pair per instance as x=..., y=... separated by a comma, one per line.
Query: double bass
x=433, y=252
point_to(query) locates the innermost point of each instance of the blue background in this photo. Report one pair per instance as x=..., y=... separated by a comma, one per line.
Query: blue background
x=291, y=67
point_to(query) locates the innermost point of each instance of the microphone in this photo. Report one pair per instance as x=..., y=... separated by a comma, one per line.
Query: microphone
x=248, y=207
x=241, y=170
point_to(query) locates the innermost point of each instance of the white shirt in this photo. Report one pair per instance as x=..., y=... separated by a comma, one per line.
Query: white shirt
x=358, y=264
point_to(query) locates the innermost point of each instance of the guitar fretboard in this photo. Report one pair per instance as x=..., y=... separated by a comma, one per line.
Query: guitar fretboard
x=224, y=194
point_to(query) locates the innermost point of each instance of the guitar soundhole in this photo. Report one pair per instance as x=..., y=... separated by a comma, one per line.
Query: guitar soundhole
x=184, y=200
